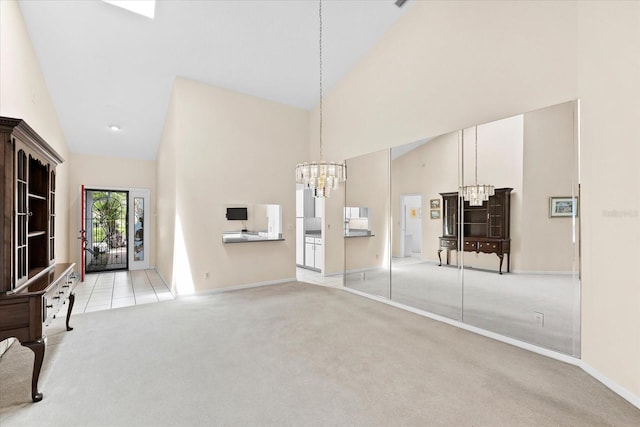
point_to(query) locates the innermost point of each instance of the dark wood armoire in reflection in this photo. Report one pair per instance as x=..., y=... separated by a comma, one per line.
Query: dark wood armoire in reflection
x=477, y=229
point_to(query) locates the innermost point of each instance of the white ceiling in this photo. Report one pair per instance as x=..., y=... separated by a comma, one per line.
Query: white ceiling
x=104, y=65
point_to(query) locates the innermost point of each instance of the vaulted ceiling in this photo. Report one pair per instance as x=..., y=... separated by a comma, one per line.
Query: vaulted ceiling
x=106, y=66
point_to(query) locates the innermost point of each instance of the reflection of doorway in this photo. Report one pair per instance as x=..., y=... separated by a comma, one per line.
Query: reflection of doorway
x=411, y=226
x=106, y=230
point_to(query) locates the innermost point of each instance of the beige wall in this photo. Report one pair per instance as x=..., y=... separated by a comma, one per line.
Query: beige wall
x=24, y=95
x=333, y=231
x=609, y=90
x=231, y=149
x=432, y=74
x=368, y=187
x=550, y=169
x=166, y=194
x=110, y=173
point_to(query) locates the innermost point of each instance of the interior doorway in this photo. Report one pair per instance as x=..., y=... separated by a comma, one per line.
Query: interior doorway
x=411, y=225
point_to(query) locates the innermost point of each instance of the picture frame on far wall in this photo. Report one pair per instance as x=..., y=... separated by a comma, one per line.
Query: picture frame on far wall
x=434, y=203
x=435, y=213
x=560, y=207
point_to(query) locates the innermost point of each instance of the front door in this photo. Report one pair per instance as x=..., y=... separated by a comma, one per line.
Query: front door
x=106, y=230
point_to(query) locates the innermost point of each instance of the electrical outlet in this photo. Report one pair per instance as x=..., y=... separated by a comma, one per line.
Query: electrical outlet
x=539, y=319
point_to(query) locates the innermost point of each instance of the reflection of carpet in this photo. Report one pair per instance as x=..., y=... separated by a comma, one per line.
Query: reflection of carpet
x=293, y=355
x=506, y=304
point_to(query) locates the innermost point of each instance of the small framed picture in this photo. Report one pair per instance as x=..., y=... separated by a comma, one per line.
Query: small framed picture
x=435, y=213
x=563, y=207
x=434, y=203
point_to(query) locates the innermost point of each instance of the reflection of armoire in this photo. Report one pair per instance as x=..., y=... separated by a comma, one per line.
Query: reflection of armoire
x=32, y=286
x=484, y=228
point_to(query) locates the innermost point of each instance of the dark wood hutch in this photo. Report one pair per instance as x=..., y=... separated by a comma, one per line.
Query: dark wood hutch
x=484, y=228
x=32, y=286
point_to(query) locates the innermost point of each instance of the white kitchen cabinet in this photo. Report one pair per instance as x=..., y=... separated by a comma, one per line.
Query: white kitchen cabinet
x=309, y=255
x=313, y=253
x=318, y=260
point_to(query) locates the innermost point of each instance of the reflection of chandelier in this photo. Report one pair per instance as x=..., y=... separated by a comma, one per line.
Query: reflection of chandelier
x=321, y=176
x=476, y=194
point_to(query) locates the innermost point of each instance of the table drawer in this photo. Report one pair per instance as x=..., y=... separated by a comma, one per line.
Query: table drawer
x=489, y=247
x=51, y=302
x=448, y=244
x=470, y=245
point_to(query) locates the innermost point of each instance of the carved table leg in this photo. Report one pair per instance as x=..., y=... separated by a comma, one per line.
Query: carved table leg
x=72, y=299
x=38, y=346
x=501, y=259
x=439, y=250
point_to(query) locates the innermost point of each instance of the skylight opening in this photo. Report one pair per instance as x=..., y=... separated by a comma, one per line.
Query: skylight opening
x=141, y=7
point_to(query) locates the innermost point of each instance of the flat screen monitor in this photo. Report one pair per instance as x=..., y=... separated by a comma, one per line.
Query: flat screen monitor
x=237, y=214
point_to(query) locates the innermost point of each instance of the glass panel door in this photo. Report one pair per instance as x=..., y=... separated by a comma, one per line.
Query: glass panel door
x=139, y=234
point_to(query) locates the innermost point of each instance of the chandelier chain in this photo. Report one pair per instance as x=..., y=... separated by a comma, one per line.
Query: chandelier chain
x=476, y=146
x=320, y=46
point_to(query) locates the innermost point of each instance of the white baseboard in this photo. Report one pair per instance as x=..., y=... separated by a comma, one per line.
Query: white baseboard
x=237, y=288
x=615, y=387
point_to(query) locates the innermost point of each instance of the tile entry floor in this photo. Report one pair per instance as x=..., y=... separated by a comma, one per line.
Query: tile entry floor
x=313, y=277
x=113, y=289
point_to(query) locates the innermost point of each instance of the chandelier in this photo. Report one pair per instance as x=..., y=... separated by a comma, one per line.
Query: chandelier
x=476, y=194
x=321, y=177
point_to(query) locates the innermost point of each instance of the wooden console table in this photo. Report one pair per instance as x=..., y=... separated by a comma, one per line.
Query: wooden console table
x=25, y=312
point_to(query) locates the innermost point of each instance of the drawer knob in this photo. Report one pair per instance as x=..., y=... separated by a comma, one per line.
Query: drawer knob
x=50, y=306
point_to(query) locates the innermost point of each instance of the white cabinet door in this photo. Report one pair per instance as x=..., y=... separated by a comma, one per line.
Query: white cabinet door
x=318, y=257
x=300, y=241
x=309, y=255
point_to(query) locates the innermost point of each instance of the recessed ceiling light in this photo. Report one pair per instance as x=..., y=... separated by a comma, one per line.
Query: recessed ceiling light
x=114, y=128
x=141, y=7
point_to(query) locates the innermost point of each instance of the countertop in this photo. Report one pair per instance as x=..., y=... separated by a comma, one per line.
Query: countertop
x=358, y=233
x=249, y=236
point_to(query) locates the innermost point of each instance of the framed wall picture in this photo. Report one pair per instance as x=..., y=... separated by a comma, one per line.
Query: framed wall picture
x=434, y=203
x=435, y=213
x=563, y=207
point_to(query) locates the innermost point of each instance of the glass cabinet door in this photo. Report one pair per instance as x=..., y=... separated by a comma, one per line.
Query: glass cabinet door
x=22, y=217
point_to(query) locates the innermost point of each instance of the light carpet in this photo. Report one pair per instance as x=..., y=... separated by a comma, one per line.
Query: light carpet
x=506, y=304
x=292, y=355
